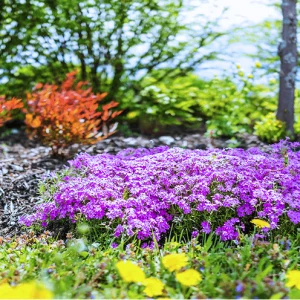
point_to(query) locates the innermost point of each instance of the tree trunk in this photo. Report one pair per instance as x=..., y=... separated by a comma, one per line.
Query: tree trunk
x=287, y=51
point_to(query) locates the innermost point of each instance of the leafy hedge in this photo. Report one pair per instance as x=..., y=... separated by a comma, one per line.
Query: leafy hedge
x=227, y=105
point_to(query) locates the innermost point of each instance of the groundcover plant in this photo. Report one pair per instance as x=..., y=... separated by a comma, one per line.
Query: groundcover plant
x=41, y=267
x=151, y=194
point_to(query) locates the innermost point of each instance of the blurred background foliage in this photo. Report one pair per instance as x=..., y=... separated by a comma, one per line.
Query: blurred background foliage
x=144, y=54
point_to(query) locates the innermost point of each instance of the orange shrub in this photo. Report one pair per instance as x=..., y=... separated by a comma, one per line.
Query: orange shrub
x=7, y=107
x=61, y=116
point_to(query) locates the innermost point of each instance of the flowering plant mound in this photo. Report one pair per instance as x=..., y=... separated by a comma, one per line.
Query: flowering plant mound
x=142, y=192
x=61, y=116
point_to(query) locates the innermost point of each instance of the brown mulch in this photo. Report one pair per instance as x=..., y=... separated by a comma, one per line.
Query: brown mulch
x=22, y=165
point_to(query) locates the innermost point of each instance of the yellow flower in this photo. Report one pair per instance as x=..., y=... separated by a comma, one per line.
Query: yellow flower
x=260, y=223
x=250, y=76
x=174, y=262
x=293, y=277
x=238, y=66
x=30, y=290
x=130, y=272
x=258, y=65
x=154, y=287
x=189, y=277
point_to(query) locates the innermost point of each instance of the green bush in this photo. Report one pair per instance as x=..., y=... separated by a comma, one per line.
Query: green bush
x=269, y=129
x=227, y=105
x=297, y=112
x=235, y=103
x=168, y=103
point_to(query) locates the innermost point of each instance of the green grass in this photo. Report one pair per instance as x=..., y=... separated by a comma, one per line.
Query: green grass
x=77, y=268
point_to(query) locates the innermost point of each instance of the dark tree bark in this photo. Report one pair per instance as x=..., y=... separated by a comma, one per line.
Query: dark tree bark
x=287, y=51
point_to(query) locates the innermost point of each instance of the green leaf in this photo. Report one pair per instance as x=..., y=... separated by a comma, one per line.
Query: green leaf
x=294, y=294
x=277, y=296
x=84, y=254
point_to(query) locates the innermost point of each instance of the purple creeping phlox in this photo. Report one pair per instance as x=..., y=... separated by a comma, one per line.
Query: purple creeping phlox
x=138, y=189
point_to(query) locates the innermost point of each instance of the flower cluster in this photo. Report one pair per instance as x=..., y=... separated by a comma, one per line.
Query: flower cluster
x=131, y=272
x=141, y=192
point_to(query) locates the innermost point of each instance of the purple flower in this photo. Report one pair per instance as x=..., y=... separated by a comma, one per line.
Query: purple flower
x=294, y=216
x=205, y=227
x=118, y=231
x=195, y=233
x=114, y=245
x=227, y=233
x=258, y=236
x=239, y=288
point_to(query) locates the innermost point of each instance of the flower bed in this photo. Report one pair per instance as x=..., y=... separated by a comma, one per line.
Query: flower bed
x=150, y=192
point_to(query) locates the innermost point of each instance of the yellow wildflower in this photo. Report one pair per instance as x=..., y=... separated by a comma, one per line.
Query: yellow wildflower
x=174, y=262
x=189, y=277
x=30, y=290
x=250, y=76
x=260, y=223
x=293, y=277
x=258, y=65
x=154, y=287
x=130, y=272
x=238, y=66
